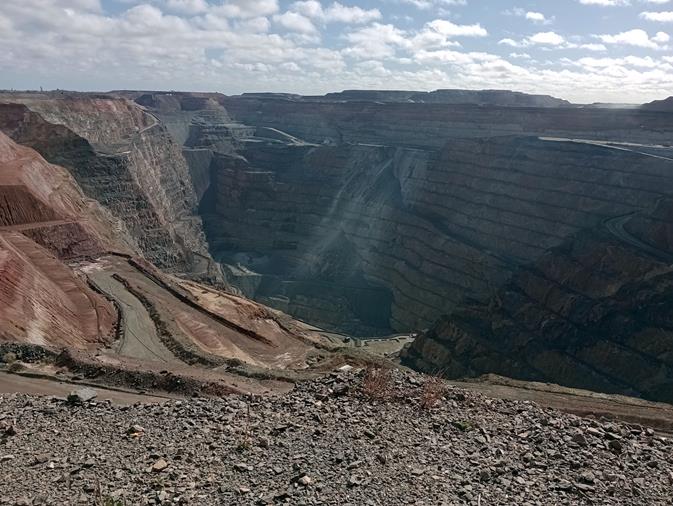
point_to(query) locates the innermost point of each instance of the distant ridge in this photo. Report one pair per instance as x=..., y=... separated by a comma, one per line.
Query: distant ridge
x=660, y=105
x=502, y=98
x=497, y=98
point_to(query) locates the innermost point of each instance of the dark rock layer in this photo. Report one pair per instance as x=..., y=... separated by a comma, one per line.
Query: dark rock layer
x=592, y=313
x=418, y=230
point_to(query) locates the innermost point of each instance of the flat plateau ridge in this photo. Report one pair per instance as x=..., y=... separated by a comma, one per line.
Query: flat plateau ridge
x=156, y=246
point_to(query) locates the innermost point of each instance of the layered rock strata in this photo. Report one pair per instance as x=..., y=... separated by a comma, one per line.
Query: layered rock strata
x=125, y=159
x=395, y=237
x=430, y=125
x=44, y=218
x=592, y=313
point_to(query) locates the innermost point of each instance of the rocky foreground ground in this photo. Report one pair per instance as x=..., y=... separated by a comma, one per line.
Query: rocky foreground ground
x=353, y=438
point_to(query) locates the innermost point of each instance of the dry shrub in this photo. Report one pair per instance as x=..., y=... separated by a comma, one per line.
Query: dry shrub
x=378, y=383
x=432, y=392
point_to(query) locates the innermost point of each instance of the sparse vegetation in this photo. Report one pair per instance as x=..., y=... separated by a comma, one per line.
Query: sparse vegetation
x=432, y=392
x=110, y=501
x=15, y=367
x=9, y=358
x=106, y=500
x=377, y=383
x=246, y=442
x=463, y=425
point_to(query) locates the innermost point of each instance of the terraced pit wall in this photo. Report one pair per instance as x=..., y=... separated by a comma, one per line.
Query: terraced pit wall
x=368, y=239
x=125, y=159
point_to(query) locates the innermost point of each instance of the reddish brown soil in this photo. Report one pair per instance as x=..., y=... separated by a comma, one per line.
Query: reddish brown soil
x=215, y=323
x=43, y=302
x=42, y=221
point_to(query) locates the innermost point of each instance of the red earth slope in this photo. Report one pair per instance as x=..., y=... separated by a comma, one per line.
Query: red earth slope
x=42, y=301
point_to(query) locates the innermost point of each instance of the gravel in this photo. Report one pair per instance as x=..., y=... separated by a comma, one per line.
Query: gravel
x=327, y=442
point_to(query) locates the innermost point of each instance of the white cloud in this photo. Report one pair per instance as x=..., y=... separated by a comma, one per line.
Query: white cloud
x=510, y=42
x=246, y=8
x=237, y=45
x=606, y=3
x=536, y=17
x=427, y=4
x=593, y=47
x=187, y=6
x=544, y=39
x=308, y=8
x=636, y=37
x=449, y=29
x=547, y=38
x=295, y=22
x=661, y=17
x=254, y=25
x=450, y=56
x=384, y=41
x=375, y=41
x=335, y=13
x=634, y=61
x=350, y=15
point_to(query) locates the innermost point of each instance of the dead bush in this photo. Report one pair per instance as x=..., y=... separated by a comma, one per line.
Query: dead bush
x=377, y=383
x=432, y=392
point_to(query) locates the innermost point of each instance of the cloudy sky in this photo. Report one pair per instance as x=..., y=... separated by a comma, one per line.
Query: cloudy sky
x=581, y=50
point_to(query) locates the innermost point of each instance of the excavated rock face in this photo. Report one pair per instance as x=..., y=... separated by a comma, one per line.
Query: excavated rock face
x=60, y=289
x=294, y=229
x=43, y=302
x=44, y=219
x=540, y=247
x=125, y=159
x=592, y=313
x=368, y=217
x=396, y=237
x=430, y=125
x=534, y=243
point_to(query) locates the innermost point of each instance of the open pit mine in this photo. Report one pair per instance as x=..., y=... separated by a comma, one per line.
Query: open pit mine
x=289, y=261
x=196, y=242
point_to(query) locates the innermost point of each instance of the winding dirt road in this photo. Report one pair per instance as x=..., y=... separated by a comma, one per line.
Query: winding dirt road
x=140, y=339
x=616, y=227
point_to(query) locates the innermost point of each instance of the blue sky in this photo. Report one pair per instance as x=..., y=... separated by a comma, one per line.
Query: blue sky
x=581, y=50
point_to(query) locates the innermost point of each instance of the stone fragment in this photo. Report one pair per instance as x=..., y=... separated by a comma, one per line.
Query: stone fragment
x=587, y=477
x=82, y=395
x=135, y=430
x=580, y=439
x=616, y=446
x=354, y=481
x=159, y=466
